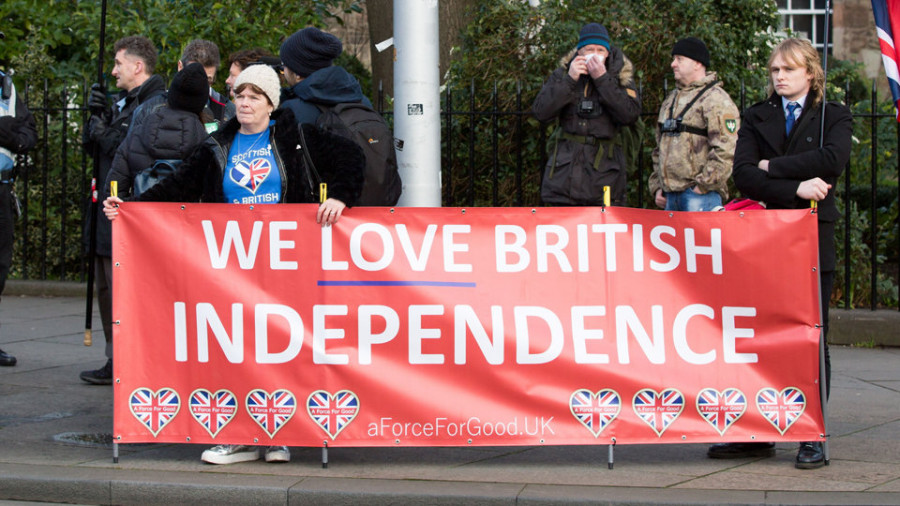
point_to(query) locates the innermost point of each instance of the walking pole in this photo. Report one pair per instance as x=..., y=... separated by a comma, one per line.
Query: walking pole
x=823, y=388
x=92, y=248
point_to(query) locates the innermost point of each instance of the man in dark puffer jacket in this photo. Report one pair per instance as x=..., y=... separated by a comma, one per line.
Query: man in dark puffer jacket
x=164, y=129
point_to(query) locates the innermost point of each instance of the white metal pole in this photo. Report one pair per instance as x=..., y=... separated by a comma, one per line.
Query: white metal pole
x=417, y=106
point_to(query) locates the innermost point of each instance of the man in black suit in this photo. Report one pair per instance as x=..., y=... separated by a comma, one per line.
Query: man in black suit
x=780, y=160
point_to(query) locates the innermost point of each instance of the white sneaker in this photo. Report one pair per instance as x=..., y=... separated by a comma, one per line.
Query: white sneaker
x=278, y=454
x=230, y=454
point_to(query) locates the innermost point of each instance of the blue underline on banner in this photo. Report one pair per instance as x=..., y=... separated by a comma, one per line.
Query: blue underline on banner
x=446, y=284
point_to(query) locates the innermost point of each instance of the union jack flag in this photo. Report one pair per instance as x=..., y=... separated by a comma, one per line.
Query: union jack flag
x=333, y=413
x=271, y=412
x=251, y=174
x=887, y=24
x=721, y=410
x=154, y=410
x=658, y=410
x=595, y=411
x=783, y=408
x=213, y=411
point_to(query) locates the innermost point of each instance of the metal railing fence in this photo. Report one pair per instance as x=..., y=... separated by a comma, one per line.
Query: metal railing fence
x=493, y=152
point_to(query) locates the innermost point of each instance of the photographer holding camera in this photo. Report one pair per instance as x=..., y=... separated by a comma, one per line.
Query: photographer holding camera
x=695, y=136
x=591, y=96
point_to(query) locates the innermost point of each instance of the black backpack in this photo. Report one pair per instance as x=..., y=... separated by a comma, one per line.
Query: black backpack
x=364, y=126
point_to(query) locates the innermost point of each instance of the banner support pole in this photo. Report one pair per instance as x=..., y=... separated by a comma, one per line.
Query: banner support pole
x=324, y=454
x=610, y=459
x=115, y=452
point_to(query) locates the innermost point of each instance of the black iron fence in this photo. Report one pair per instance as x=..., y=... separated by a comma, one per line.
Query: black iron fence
x=492, y=154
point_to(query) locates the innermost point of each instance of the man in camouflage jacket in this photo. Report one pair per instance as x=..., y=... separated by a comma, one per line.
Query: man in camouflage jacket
x=695, y=136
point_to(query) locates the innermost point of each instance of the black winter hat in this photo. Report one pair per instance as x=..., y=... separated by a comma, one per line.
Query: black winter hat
x=693, y=48
x=189, y=90
x=593, y=33
x=309, y=50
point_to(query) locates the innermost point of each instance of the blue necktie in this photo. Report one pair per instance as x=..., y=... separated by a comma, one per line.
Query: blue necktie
x=791, y=118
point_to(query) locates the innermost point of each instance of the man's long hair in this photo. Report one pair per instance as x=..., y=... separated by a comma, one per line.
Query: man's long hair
x=801, y=53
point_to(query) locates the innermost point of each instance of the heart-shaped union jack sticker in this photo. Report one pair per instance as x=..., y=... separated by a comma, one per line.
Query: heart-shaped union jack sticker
x=595, y=410
x=783, y=408
x=721, y=409
x=213, y=410
x=154, y=409
x=658, y=409
x=333, y=413
x=271, y=411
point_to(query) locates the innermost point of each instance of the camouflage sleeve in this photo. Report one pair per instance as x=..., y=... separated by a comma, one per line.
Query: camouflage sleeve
x=722, y=124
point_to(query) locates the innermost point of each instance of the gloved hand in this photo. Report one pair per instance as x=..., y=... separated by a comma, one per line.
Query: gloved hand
x=97, y=101
x=95, y=128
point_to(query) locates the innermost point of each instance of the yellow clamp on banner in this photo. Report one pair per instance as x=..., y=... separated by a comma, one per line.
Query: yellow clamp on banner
x=113, y=188
x=323, y=192
x=606, y=196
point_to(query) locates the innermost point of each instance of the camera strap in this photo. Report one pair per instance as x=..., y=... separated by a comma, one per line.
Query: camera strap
x=680, y=118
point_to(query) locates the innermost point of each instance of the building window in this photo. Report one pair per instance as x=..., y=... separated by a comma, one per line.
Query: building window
x=806, y=18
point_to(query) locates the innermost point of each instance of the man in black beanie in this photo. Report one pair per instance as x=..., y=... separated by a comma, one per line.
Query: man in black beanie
x=695, y=136
x=308, y=57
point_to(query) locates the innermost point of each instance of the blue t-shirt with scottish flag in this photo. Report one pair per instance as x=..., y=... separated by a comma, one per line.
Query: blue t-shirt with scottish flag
x=251, y=175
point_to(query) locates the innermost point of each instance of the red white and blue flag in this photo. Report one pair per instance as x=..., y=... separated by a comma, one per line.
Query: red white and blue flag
x=782, y=408
x=595, y=411
x=271, y=411
x=721, y=409
x=332, y=412
x=658, y=409
x=154, y=409
x=213, y=410
x=887, y=24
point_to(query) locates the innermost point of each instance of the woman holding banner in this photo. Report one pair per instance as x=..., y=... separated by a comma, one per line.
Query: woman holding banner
x=791, y=150
x=257, y=158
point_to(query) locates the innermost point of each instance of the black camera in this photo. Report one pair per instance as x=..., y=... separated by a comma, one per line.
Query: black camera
x=586, y=107
x=672, y=127
x=272, y=61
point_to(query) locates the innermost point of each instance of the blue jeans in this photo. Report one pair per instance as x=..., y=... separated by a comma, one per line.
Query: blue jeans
x=689, y=200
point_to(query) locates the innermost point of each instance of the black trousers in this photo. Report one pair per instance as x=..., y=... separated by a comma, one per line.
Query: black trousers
x=103, y=286
x=7, y=229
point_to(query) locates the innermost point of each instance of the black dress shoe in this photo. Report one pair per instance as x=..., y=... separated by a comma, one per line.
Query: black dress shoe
x=7, y=359
x=740, y=450
x=102, y=376
x=810, y=456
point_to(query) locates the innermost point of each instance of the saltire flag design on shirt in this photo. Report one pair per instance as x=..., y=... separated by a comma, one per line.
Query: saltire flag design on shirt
x=658, y=410
x=887, y=25
x=333, y=413
x=251, y=174
x=595, y=411
x=154, y=409
x=783, y=408
x=721, y=409
x=213, y=410
x=271, y=411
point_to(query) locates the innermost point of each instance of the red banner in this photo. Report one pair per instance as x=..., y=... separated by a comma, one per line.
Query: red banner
x=456, y=327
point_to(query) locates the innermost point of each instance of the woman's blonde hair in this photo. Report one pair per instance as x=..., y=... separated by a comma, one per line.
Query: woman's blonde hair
x=801, y=53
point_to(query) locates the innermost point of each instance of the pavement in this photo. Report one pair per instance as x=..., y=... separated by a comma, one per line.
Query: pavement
x=55, y=443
